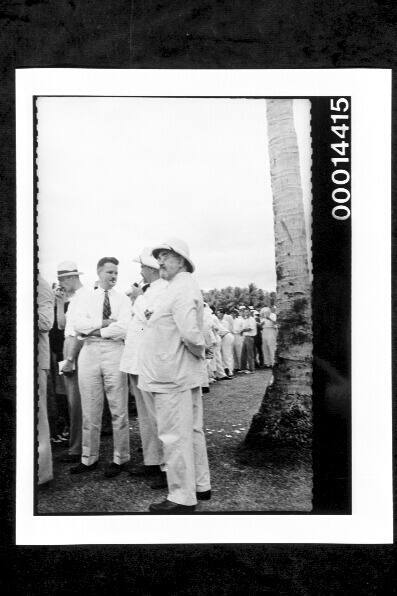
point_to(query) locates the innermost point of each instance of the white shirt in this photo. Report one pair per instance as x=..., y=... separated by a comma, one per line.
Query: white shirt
x=238, y=325
x=71, y=312
x=136, y=327
x=227, y=322
x=88, y=313
x=219, y=328
x=268, y=322
x=251, y=323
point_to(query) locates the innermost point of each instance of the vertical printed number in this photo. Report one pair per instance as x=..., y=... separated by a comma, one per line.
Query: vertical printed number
x=341, y=161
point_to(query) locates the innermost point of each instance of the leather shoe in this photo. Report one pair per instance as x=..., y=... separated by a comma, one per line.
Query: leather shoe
x=82, y=468
x=170, y=507
x=113, y=470
x=160, y=481
x=204, y=496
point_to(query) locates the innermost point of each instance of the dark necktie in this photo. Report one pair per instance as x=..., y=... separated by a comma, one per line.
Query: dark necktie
x=106, y=307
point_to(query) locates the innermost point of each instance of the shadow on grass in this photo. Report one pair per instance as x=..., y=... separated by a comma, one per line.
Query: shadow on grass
x=262, y=456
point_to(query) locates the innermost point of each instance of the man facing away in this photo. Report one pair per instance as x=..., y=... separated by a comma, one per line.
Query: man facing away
x=269, y=334
x=226, y=333
x=101, y=318
x=69, y=280
x=145, y=302
x=172, y=368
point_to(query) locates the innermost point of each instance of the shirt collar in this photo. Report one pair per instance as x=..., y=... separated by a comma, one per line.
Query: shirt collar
x=102, y=291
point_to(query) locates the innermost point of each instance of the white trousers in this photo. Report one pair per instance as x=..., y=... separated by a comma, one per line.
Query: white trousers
x=269, y=342
x=227, y=351
x=180, y=426
x=219, y=369
x=74, y=406
x=43, y=430
x=237, y=348
x=99, y=374
x=210, y=368
x=151, y=444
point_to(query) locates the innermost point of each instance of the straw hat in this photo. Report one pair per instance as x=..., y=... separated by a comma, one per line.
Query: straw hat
x=67, y=268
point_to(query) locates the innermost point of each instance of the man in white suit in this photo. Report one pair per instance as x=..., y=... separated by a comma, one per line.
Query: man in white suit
x=173, y=369
x=101, y=318
x=145, y=300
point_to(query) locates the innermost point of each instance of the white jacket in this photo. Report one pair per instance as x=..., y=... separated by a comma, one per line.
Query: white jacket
x=173, y=346
x=136, y=328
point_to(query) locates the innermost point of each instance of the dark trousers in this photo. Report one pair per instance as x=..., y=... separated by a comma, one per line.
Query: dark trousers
x=57, y=407
x=258, y=350
x=247, y=354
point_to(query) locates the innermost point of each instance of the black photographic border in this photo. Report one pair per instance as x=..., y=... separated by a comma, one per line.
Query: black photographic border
x=331, y=307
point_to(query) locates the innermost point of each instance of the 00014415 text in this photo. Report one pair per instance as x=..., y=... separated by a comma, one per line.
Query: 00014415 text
x=340, y=177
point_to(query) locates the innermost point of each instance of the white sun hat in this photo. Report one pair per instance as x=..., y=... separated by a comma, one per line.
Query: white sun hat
x=178, y=246
x=146, y=258
x=67, y=268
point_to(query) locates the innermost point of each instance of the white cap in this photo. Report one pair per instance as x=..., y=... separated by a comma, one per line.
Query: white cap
x=146, y=258
x=178, y=246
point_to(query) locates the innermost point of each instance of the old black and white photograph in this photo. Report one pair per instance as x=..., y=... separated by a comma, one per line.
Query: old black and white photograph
x=174, y=241
x=192, y=257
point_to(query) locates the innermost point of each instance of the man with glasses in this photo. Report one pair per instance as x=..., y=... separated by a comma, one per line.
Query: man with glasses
x=173, y=369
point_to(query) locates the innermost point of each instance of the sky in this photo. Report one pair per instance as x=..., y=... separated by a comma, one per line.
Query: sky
x=119, y=174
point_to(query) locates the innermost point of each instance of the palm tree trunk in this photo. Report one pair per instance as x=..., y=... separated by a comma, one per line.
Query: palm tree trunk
x=285, y=414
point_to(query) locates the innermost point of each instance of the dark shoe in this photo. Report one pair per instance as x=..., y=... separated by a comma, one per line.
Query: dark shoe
x=143, y=471
x=44, y=486
x=82, y=468
x=160, y=481
x=114, y=470
x=70, y=458
x=204, y=496
x=170, y=507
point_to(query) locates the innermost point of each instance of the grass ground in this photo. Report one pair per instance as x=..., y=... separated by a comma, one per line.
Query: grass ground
x=242, y=479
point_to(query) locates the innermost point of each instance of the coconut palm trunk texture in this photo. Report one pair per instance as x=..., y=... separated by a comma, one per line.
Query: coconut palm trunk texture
x=285, y=415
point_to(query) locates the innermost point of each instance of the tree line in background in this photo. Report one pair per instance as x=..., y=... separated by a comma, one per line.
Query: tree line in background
x=232, y=297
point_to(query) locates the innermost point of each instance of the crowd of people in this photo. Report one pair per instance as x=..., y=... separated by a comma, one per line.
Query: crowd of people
x=159, y=342
x=239, y=341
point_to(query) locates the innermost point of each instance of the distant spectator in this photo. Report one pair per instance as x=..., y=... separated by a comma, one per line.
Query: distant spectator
x=249, y=332
x=258, y=342
x=269, y=334
x=226, y=333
